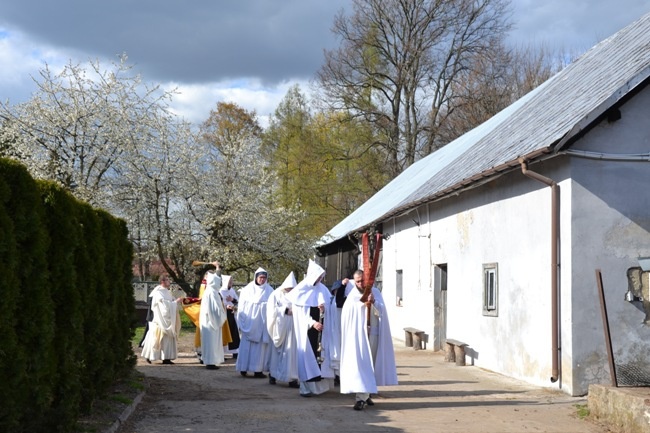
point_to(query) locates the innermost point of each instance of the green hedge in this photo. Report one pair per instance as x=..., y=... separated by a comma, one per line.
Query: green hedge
x=67, y=303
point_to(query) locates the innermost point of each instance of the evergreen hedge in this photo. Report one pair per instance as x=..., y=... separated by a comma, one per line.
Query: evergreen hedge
x=67, y=303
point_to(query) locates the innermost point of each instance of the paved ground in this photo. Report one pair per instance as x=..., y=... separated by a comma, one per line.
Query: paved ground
x=433, y=396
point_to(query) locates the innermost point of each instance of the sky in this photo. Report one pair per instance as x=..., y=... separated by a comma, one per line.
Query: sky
x=244, y=51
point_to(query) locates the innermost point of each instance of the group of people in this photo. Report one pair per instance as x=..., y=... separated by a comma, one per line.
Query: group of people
x=303, y=334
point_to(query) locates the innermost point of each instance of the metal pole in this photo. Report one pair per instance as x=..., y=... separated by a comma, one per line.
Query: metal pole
x=608, y=337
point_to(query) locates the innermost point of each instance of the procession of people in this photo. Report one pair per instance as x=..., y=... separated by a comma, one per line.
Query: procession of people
x=305, y=335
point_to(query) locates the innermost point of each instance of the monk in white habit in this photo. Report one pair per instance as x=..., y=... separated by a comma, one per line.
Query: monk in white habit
x=254, y=351
x=279, y=322
x=212, y=316
x=367, y=356
x=308, y=300
x=162, y=339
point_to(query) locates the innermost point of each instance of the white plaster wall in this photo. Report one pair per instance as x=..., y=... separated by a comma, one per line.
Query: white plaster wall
x=506, y=222
x=611, y=219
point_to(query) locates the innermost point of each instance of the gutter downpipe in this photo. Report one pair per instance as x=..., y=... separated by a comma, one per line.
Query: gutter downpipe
x=555, y=222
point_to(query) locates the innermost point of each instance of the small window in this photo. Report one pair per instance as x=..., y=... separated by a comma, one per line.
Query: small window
x=490, y=289
x=398, y=287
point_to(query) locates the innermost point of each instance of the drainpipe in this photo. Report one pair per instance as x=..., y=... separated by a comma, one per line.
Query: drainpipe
x=555, y=223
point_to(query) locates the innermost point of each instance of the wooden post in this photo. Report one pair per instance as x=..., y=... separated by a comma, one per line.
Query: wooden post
x=450, y=355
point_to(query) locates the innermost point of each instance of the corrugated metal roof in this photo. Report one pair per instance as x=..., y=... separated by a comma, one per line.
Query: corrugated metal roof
x=541, y=121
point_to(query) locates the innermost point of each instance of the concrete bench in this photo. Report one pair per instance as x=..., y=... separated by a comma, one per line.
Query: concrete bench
x=414, y=338
x=455, y=351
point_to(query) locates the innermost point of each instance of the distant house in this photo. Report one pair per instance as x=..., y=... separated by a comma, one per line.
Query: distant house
x=495, y=239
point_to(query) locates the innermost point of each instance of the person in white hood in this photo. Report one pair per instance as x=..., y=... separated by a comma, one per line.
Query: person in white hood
x=308, y=301
x=254, y=353
x=279, y=322
x=212, y=316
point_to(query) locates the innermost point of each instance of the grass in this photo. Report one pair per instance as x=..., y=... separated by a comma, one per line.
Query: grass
x=582, y=411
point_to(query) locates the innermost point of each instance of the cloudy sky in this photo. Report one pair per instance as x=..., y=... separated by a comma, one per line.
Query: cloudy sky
x=243, y=51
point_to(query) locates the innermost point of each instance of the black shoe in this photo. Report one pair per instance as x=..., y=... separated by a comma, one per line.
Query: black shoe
x=369, y=402
x=309, y=394
x=148, y=360
x=259, y=375
x=243, y=373
x=211, y=367
x=272, y=380
x=294, y=384
x=359, y=405
x=168, y=362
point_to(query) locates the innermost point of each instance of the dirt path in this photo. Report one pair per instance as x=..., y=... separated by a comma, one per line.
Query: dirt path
x=432, y=396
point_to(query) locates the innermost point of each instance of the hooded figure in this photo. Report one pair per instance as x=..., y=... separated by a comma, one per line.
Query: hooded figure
x=254, y=354
x=367, y=355
x=212, y=316
x=230, y=301
x=308, y=301
x=279, y=323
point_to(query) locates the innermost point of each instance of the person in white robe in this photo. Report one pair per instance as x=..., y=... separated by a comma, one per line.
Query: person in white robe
x=279, y=322
x=161, y=342
x=332, y=357
x=230, y=301
x=367, y=356
x=254, y=352
x=308, y=300
x=212, y=316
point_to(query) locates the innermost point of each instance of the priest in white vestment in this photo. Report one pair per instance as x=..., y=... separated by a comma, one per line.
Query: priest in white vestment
x=162, y=338
x=212, y=316
x=254, y=352
x=308, y=300
x=367, y=356
x=279, y=322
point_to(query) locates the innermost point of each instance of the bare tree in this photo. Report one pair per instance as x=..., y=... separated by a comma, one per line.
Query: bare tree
x=398, y=61
x=493, y=80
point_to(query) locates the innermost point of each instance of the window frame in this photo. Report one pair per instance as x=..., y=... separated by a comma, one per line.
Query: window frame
x=491, y=289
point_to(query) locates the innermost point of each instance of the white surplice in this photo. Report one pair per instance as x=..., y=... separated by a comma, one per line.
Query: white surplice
x=279, y=322
x=161, y=340
x=363, y=367
x=254, y=354
x=212, y=316
x=307, y=294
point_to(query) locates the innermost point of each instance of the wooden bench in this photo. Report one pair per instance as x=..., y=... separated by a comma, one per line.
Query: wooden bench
x=455, y=351
x=414, y=338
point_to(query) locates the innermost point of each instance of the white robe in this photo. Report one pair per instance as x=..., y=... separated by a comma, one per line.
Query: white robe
x=212, y=316
x=284, y=358
x=254, y=354
x=361, y=372
x=305, y=295
x=161, y=340
x=332, y=346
